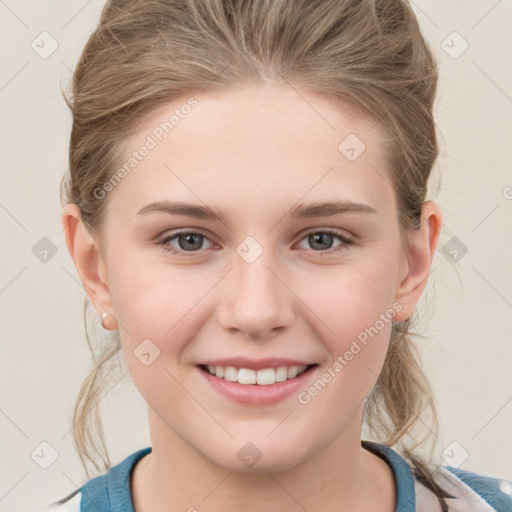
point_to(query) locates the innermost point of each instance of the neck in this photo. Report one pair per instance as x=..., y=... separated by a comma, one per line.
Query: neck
x=342, y=476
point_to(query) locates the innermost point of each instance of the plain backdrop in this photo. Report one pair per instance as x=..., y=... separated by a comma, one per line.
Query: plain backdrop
x=466, y=309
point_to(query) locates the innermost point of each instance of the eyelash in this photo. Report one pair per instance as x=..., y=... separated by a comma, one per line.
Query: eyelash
x=187, y=254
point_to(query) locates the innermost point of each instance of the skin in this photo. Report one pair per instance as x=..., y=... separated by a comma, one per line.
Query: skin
x=255, y=152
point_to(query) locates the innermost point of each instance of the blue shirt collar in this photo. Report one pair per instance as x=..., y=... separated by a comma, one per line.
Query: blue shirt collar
x=404, y=480
x=111, y=492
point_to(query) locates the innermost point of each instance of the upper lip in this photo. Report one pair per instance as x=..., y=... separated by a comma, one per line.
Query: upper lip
x=255, y=364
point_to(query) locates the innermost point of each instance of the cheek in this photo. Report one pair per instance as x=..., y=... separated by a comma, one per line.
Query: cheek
x=152, y=301
x=350, y=298
x=354, y=309
x=159, y=311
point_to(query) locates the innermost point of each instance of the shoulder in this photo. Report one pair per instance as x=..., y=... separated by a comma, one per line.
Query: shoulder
x=462, y=490
x=496, y=492
x=470, y=491
x=107, y=492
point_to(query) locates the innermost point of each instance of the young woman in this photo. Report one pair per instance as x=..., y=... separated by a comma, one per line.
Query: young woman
x=246, y=208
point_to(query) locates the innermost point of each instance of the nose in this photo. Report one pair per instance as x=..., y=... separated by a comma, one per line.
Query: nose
x=256, y=300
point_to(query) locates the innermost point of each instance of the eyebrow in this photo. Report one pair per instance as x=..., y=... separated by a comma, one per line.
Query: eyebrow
x=328, y=209
x=301, y=211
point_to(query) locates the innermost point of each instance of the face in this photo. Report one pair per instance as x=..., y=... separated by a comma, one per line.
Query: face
x=270, y=280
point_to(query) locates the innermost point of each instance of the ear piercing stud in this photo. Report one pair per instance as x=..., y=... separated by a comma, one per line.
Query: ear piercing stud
x=103, y=318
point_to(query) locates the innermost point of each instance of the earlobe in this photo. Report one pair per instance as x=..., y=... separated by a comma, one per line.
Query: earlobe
x=84, y=252
x=421, y=250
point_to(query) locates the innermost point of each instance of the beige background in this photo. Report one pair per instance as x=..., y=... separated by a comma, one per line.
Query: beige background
x=468, y=350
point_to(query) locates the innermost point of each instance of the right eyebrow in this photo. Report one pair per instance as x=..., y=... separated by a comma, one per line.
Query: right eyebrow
x=187, y=210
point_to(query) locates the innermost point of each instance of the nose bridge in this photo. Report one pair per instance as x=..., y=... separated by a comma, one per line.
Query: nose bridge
x=256, y=301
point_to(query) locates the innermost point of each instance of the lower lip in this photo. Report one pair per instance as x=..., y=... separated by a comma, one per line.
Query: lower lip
x=255, y=394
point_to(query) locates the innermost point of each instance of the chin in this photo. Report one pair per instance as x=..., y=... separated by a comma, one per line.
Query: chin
x=261, y=458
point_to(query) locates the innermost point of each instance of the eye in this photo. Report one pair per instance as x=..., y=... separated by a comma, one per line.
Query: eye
x=188, y=242
x=323, y=240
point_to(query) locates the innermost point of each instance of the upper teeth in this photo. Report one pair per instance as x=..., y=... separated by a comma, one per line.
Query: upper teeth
x=262, y=377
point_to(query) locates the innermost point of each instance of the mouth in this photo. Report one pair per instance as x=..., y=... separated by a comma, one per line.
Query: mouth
x=262, y=377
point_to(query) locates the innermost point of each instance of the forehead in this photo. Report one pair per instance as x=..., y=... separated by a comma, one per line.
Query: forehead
x=255, y=145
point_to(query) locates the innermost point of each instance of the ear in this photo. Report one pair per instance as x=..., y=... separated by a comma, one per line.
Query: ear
x=86, y=255
x=422, y=244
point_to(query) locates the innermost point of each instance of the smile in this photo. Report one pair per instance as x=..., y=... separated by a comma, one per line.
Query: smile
x=263, y=377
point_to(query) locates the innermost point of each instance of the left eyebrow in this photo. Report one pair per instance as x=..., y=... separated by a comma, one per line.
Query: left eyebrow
x=328, y=209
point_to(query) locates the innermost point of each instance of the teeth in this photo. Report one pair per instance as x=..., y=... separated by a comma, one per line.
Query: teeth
x=230, y=373
x=292, y=372
x=266, y=376
x=262, y=377
x=245, y=376
x=281, y=374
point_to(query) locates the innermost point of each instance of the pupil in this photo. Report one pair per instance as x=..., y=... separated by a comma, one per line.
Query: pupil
x=190, y=240
x=320, y=237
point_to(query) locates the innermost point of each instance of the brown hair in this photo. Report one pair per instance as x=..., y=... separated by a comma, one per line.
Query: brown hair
x=369, y=54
